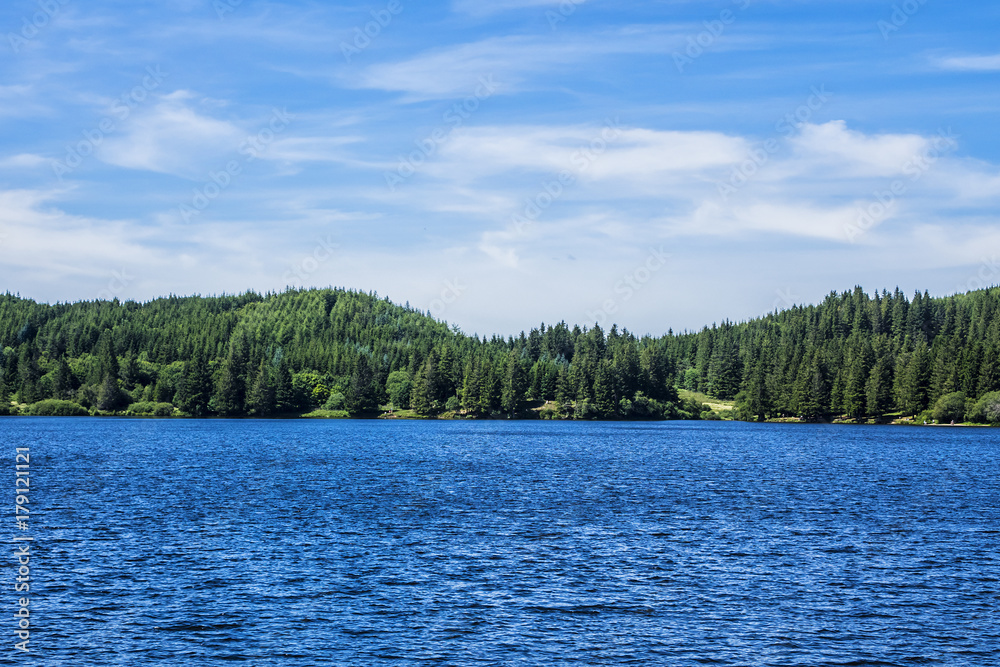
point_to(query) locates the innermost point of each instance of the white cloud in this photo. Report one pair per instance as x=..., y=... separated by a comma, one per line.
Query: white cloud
x=311, y=149
x=487, y=7
x=22, y=161
x=42, y=245
x=643, y=183
x=857, y=154
x=971, y=63
x=598, y=152
x=456, y=71
x=171, y=137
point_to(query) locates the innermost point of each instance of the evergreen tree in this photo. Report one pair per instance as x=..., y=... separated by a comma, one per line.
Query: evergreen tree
x=812, y=389
x=514, y=384
x=604, y=390
x=490, y=388
x=756, y=399
x=912, y=379
x=110, y=397
x=29, y=374
x=879, y=388
x=62, y=381
x=195, y=388
x=284, y=392
x=725, y=370
x=470, y=387
x=361, y=390
x=262, y=400
x=855, y=396
x=420, y=395
x=228, y=398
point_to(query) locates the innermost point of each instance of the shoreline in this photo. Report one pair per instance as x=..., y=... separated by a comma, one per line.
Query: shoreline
x=388, y=417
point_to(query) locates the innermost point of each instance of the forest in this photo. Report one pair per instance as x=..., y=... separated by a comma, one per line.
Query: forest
x=340, y=353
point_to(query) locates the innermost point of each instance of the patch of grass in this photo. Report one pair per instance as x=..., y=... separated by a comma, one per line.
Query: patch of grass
x=717, y=404
x=402, y=414
x=327, y=414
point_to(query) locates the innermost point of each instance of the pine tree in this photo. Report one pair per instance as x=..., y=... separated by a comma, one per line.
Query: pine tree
x=912, y=380
x=62, y=380
x=564, y=392
x=879, y=388
x=470, y=387
x=757, y=398
x=812, y=389
x=725, y=370
x=604, y=390
x=262, y=399
x=228, y=398
x=361, y=389
x=195, y=388
x=490, y=388
x=284, y=392
x=29, y=374
x=514, y=384
x=110, y=396
x=420, y=395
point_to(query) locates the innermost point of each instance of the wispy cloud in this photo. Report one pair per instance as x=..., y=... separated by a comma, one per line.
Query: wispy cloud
x=513, y=60
x=172, y=137
x=971, y=63
x=488, y=7
x=22, y=161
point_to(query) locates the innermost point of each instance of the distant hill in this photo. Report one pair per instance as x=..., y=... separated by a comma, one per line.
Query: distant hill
x=341, y=352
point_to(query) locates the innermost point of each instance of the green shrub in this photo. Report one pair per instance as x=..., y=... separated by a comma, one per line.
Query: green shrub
x=950, y=407
x=336, y=401
x=986, y=410
x=52, y=407
x=585, y=410
x=150, y=409
x=710, y=415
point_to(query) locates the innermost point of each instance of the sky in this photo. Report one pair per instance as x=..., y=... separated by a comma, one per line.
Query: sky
x=502, y=163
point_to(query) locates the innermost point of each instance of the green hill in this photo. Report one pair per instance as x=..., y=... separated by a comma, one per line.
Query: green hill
x=344, y=352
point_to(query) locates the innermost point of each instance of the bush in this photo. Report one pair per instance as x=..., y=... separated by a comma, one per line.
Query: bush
x=150, y=409
x=950, y=407
x=55, y=408
x=677, y=411
x=710, y=415
x=548, y=413
x=335, y=402
x=453, y=404
x=986, y=410
x=586, y=410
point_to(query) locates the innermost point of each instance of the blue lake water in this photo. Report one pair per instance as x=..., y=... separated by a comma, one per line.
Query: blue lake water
x=507, y=543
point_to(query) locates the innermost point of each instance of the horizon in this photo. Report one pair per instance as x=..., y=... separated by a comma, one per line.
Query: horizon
x=494, y=162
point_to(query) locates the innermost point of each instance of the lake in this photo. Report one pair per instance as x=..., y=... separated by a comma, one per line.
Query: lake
x=198, y=542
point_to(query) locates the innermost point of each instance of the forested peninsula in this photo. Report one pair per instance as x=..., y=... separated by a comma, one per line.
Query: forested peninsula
x=342, y=353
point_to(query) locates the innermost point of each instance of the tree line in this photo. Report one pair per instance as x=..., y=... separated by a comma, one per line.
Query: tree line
x=347, y=352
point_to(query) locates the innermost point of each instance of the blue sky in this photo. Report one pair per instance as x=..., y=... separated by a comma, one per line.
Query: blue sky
x=656, y=164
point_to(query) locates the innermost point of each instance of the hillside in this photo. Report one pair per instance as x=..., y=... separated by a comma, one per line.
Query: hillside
x=344, y=352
